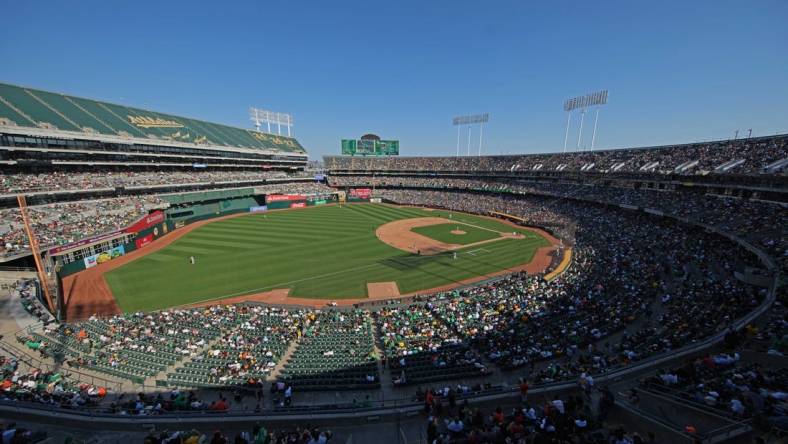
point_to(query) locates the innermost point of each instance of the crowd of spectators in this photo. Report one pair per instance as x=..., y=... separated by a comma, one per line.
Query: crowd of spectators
x=756, y=154
x=66, y=222
x=559, y=419
x=21, y=382
x=248, y=353
x=627, y=295
x=759, y=221
x=637, y=286
x=618, y=282
x=13, y=434
x=27, y=292
x=259, y=434
x=772, y=336
x=419, y=348
x=76, y=180
x=724, y=383
x=534, y=211
x=564, y=419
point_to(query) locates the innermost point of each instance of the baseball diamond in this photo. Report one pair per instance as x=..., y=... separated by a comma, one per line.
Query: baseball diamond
x=327, y=252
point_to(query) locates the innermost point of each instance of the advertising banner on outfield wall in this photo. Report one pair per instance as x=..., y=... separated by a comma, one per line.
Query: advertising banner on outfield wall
x=92, y=261
x=258, y=209
x=145, y=222
x=144, y=240
x=361, y=193
x=282, y=197
x=298, y=205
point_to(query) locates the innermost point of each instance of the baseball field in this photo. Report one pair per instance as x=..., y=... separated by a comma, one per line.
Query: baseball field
x=326, y=252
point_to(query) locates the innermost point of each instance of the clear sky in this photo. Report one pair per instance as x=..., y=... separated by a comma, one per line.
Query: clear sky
x=677, y=71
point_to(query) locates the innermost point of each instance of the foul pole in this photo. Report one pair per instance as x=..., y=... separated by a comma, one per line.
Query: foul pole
x=42, y=277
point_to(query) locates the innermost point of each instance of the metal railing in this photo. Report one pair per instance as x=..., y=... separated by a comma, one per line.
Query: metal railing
x=24, y=269
x=33, y=362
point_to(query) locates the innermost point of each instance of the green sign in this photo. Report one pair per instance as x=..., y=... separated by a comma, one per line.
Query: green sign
x=348, y=147
x=369, y=147
x=388, y=147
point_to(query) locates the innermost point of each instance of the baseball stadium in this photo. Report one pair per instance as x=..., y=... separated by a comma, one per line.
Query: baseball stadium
x=176, y=277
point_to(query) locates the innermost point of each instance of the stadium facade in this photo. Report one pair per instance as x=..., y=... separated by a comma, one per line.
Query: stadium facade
x=41, y=129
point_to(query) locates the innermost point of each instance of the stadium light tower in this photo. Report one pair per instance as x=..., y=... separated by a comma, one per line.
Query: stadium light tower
x=262, y=116
x=568, y=108
x=475, y=119
x=595, y=99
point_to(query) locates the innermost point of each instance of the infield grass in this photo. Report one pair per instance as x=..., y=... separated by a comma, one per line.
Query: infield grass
x=443, y=233
x=319, y=252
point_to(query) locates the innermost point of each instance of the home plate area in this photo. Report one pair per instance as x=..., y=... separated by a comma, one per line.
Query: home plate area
x=478, y=251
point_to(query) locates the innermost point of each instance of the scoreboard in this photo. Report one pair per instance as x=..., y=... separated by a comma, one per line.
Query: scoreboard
x=370, y=147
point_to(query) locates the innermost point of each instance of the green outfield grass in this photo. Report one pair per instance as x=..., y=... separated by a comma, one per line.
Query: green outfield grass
x=319, y=252
x=443, y=233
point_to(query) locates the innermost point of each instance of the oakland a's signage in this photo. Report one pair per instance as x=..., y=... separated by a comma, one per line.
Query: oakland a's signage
x=276, y=140
x=153, y=122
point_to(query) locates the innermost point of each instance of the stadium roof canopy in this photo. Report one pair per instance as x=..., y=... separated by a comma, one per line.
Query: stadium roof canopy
x=69, y=116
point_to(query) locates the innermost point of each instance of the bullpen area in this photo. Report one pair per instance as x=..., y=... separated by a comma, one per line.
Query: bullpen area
x=308, y=256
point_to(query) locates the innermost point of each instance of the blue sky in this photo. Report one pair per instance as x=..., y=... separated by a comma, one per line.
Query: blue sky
x=677, y=71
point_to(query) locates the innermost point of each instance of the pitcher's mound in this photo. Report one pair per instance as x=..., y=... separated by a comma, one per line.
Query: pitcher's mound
x=382, y=290
x=457, y=232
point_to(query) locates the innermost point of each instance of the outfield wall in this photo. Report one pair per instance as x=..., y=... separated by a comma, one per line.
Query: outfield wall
x=193, y=208
x=174, y=218
x=283, y=201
